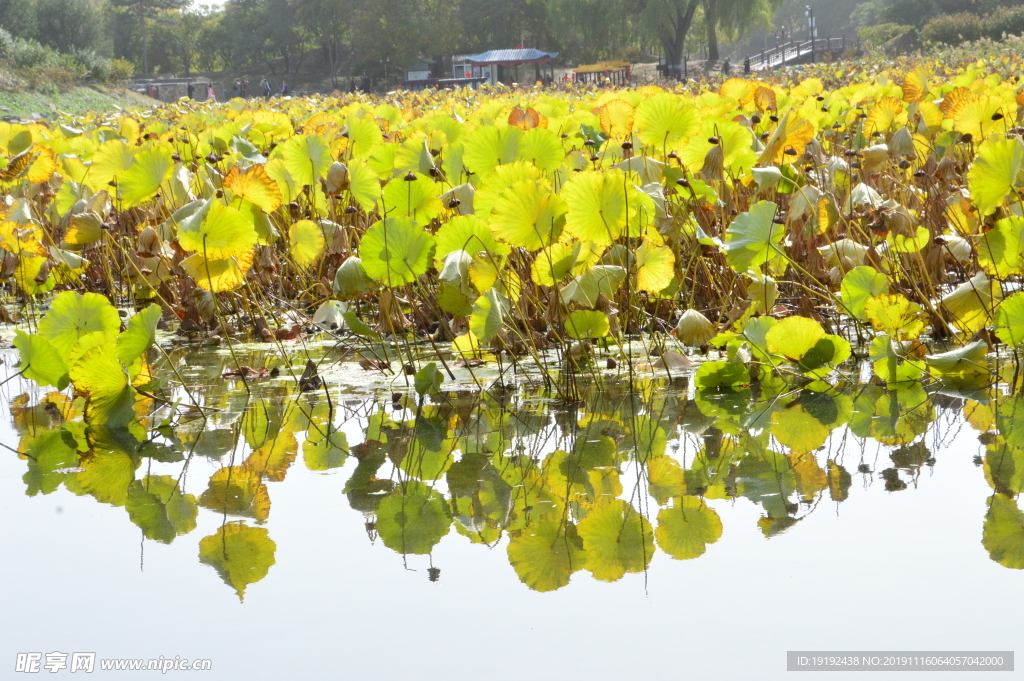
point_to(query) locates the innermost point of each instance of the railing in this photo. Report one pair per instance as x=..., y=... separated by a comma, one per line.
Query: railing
x=794, y=50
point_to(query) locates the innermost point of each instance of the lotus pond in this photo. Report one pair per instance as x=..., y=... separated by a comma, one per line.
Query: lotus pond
x=654, y=381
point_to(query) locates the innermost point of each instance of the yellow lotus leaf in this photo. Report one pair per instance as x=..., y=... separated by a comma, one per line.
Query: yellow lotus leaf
x=883, y=114
x=218, y=275
x=915, y=86
x=895, y=315
x=307, y=242
x=740, y=89
x=765, y=99
x=527, y=118
x=954, y=99
x=655, y=267
x=617, y=117
x=254, y=185
x=788, y=141
x=980, y=117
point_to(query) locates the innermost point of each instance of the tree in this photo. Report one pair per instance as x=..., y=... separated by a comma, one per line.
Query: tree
x=145, y=11
x=670, y=21
x=18, y=17
x=734, y=17
x=69, y=25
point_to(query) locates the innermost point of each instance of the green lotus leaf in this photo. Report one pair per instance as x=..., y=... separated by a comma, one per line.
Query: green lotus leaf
x=133, y=342
x=1000, y=252
x=598, y=280
x=1009, y=320
x=217, y=232
x=306, y=158
x=753, y=239
x=99, y=375
x=72, y=316
x=428, y=379
x=542, y=148
x=396, y=251
x=718, y=375
x=488, y=315
x=467, y=233
x=600, y=205
x=860, y=285
x=587, y=324
x=151, y=168
x=666, y=122
x=528, y=214
x=994, y=173
x=416, y=199
x=489, y=146
x=40, y=361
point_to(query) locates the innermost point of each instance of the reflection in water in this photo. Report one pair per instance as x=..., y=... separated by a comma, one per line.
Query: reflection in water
x=599, y=484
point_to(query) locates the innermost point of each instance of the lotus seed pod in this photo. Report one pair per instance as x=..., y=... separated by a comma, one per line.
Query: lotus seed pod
x=694, y=329
x=902, y=143
x=337, y=178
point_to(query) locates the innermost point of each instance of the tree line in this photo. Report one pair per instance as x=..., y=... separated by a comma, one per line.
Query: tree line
x=365, y=37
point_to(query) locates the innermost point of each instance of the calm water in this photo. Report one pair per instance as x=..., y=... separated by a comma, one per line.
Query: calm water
x=654, y=533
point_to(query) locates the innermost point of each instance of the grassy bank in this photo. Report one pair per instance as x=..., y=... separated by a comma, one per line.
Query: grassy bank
x=79, y=99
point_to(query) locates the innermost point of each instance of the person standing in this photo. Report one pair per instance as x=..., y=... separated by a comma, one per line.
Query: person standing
x=746, y=65
x=726, y=67
x=285, y=91
x=210, y=95
x=191, y=91
x=245, y=88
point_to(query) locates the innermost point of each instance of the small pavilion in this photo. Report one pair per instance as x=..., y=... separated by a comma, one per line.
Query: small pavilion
x=617, y=72
x=499, y=66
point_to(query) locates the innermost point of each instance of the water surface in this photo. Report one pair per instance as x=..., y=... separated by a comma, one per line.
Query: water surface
x=645, y=532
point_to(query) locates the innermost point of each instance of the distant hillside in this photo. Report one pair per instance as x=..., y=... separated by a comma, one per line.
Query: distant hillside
x=75, y=100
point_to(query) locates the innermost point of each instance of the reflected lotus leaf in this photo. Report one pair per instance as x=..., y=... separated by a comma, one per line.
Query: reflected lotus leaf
x=685, y=529
x=237, y=490
x=157, y=505
x=1003, y=535
x=46, y=454
x=413, y=520
x=617, y=539
x=546, y=554
x=242, y=555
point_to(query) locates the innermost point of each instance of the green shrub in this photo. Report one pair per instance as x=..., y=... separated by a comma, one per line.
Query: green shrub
x=953, y=29
x=121, y=69
x=1005, y=21
x=876, y=36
